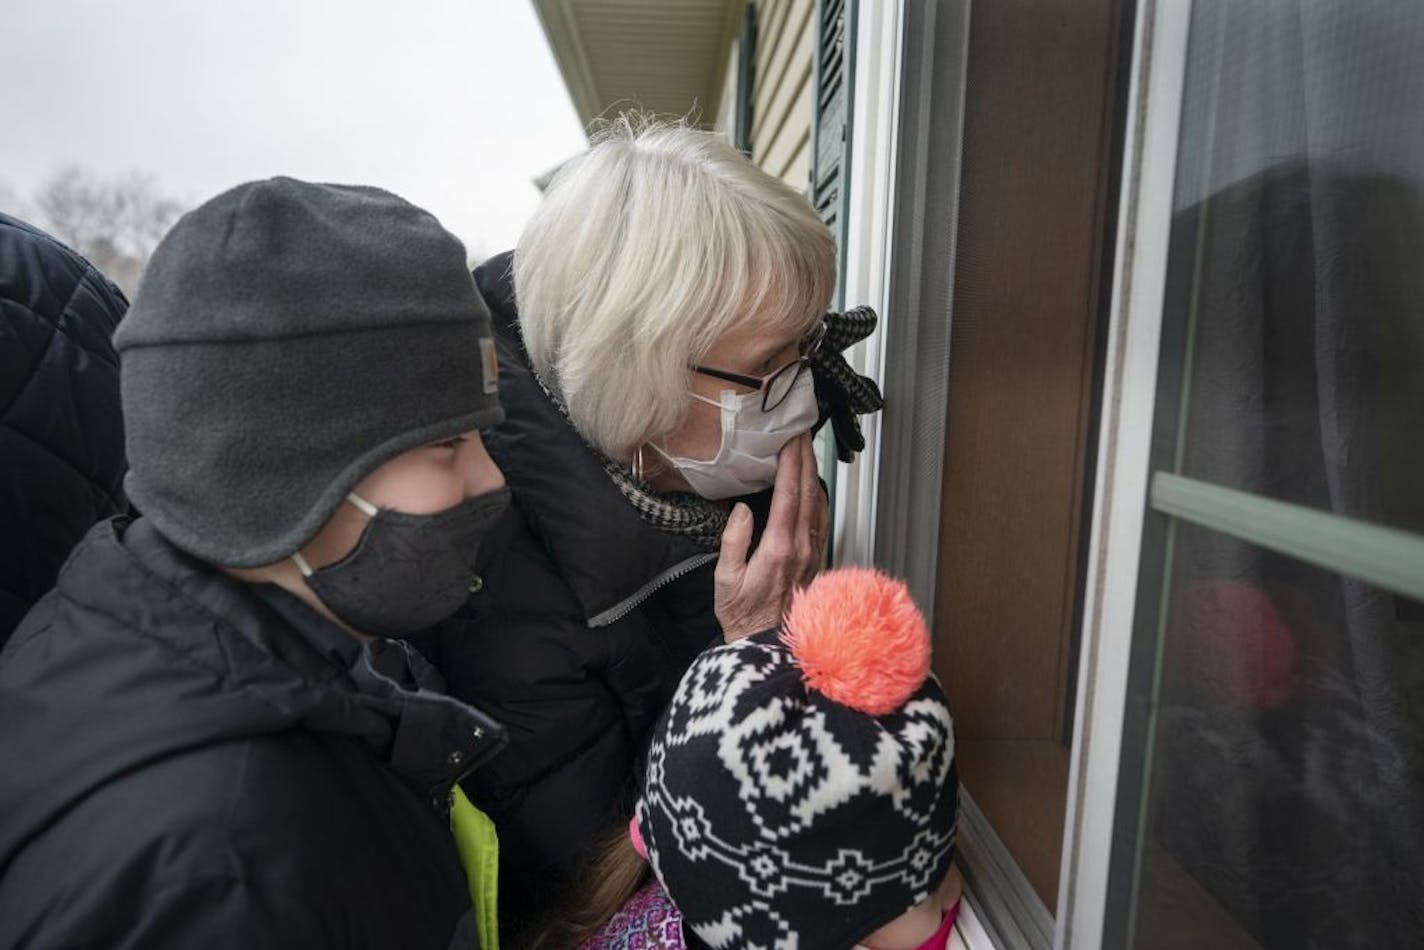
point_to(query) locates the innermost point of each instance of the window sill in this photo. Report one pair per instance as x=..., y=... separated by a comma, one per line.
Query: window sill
x=969, y=932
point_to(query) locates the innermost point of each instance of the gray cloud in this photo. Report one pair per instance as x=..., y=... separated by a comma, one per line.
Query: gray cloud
x=455, y=104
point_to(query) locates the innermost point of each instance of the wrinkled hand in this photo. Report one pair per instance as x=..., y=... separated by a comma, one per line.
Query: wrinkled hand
x=752, y=595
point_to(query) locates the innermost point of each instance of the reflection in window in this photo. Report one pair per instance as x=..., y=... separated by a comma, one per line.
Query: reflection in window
x=1287, y=801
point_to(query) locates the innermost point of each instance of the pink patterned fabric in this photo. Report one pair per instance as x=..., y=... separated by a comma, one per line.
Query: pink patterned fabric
x=649, y=921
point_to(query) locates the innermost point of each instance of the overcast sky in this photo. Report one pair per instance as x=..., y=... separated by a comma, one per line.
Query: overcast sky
x=453, y=104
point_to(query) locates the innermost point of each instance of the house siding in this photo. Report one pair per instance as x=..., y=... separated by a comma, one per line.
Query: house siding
x=782, y=96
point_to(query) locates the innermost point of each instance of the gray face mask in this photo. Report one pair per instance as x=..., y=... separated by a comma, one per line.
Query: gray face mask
x=407, y=572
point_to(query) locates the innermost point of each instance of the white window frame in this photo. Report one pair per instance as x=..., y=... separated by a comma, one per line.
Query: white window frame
x=870, y=222
x=888, y=502
x=871, y=231
x=1129, y=397
x=1381, y=556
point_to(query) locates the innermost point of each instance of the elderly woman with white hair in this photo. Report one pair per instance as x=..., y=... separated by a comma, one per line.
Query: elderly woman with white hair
x=656, y=328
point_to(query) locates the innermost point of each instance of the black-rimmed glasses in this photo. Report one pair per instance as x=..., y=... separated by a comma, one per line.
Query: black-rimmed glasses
x=778, y=385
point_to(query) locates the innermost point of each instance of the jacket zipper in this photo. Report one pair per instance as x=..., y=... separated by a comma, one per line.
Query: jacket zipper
x=618, y=611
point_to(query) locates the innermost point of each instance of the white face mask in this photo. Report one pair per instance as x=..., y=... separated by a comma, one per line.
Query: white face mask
x=751, y=439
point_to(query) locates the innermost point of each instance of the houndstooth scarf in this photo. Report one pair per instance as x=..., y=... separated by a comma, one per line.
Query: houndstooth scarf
x=841, y=394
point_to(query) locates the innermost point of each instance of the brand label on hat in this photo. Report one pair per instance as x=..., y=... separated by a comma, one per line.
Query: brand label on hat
x=491, y=364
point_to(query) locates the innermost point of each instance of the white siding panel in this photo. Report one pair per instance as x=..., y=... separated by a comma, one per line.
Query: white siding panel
x=793, y=138
x=798, y=173
x=788, y=54
x=782, y=98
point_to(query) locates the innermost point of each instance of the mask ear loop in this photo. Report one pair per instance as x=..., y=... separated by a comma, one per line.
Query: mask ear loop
x=715, y=403
x=362, y=504
x=357, y=502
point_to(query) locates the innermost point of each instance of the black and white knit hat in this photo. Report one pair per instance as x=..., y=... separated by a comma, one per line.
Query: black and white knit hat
x=801, y=788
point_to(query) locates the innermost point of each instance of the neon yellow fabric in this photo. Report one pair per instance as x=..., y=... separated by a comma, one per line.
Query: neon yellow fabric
x=478, y=844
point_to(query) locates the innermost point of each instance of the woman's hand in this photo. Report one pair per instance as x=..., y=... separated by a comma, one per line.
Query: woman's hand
x=752, y=595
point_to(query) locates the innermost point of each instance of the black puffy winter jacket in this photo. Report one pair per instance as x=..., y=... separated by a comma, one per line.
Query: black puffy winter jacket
x=61, y=431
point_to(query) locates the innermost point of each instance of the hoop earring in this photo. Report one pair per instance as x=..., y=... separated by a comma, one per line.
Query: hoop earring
x=638, y=463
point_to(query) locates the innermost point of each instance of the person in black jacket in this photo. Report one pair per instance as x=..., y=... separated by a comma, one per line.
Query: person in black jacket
x=213, y=734
x=654, y=329
x=61, y=433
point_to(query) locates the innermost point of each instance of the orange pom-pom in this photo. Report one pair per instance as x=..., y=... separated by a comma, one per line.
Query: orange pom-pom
x=859, y=639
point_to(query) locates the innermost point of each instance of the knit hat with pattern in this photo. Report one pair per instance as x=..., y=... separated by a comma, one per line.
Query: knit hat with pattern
x=801, y=788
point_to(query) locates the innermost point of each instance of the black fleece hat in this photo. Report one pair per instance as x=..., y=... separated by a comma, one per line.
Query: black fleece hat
x=287, y=339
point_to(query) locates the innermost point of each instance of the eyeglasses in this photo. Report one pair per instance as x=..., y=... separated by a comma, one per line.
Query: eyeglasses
x=777, y=386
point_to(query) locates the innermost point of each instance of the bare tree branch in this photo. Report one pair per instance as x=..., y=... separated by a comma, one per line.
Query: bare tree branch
x=115, y=222
x=12, y=204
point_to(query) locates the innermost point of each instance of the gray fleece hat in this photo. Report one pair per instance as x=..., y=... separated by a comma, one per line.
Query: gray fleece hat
x=286, y=340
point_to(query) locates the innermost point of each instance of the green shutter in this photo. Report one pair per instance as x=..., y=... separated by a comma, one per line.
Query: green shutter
x=831, y=127
x=830, y=166
x=746, y=80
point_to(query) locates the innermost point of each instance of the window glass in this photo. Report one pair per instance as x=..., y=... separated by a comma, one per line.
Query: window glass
x=1298, y=254
x=1284, y=796
x=1272, y=784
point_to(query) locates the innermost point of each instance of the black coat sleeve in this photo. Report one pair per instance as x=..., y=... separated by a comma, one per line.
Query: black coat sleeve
x=226, y=911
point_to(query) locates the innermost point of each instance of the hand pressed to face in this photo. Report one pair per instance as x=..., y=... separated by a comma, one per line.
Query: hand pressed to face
x=752, y=594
